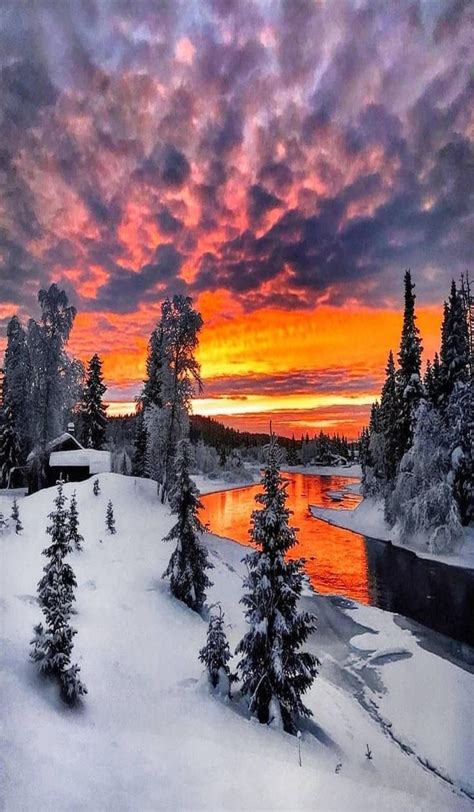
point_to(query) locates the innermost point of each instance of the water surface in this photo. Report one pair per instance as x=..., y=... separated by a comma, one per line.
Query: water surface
x=340, y=562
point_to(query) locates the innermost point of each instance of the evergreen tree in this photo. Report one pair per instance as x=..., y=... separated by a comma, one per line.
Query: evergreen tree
x=74, y=537
x=389, y=408
x=3, y=524
x=454, y=344
x=189, y=560
x=467, y=296
x=152, y=394
x=93, y=411
x=460, y=431
x=96, y=487
x=17, y=383
x=9, y=445
x=409, y=384
x=216, y=654
x=16, y=517
x=275, y=673
x=140, y=446
x=110, y=518
x=53, y=645
x=423, y=500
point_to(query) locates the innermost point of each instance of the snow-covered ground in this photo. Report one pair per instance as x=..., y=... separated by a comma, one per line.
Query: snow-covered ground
x=368, y=519
x=151, y=736
x=326, y=470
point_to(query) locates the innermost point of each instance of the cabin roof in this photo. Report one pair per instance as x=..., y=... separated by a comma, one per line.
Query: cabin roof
x=97, y=461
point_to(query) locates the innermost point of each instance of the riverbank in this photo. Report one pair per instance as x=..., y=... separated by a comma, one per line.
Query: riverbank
x=367, y=519
x=150, y=735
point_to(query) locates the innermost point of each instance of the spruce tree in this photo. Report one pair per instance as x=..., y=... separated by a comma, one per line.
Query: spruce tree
x=74, y=537
x=216, y=654
x=93, y=411
x=389, y=408
x=9, y=445
x=275, y=673
x=17, y=384
x=110, y=518
x=409, y=385
x=454, y=344
x=189, y=560
x=96, y=487
x=16, y=517
x=53, y=645
x=139, y=445
x=152, y=394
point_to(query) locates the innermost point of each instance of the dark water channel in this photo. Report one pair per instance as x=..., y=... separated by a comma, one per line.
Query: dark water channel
x=340, y=562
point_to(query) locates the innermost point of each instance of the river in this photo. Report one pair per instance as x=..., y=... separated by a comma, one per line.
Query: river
x=340, y=562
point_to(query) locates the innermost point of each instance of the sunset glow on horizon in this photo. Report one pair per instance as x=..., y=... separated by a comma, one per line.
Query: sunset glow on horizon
x=282, y=163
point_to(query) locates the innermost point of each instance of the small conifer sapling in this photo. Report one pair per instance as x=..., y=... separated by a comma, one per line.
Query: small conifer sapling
x=52, y=644
x=16, y=517
x=96, y=487
x=216, y=654
x=75, y=538
x=110, y=518
x=189, y=560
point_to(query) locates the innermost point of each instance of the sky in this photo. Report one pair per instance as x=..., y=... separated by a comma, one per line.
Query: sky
x=282, y=163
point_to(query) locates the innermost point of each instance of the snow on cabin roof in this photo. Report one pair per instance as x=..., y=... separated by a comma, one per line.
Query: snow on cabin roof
x=62, y=439
x=98, y=462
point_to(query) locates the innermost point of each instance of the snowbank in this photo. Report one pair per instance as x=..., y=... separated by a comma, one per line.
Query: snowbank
x=149, y=735
x=326, y=470
x=368, y=520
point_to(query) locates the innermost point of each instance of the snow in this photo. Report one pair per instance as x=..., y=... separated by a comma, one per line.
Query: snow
x=353, y=470
x=368, y=520
x=413, y=691
x=99, y=462
x=216, y=485
x=150, y=734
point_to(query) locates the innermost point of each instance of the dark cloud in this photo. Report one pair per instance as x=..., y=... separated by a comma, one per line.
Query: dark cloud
x=167, y=222
x=259, y=202
x=130, y=122
x=125, y=290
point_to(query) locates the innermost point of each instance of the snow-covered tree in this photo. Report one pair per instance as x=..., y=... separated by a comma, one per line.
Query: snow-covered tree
x=423, y=501
x=454, y=344
x=189, y=560
x=156, y=359
x=409, y=384
x=74, y=537
x=179, y=374
x=3, y=524
x=93, y=411
x=216, y=654
x=460, y=430
x=275, y=673
x=140, y=445
x=10, y=451
x=96, y=487
x=15, y=514
x=389, y=408
x=110, y=518
x=53, y=644
x=17, y=383
x=50, y=378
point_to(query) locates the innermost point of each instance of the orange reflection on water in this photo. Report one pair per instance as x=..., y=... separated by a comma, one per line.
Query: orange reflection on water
x=336, y=560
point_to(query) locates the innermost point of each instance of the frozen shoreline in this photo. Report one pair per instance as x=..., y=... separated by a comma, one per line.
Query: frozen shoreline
x=367, y=519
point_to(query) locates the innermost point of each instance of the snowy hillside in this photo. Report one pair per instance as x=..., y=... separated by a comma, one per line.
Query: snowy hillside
x=149, y=734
